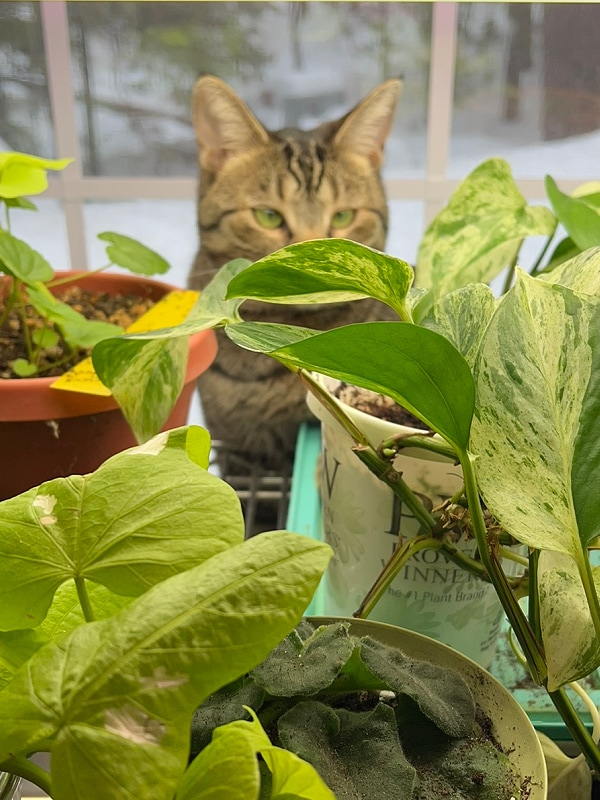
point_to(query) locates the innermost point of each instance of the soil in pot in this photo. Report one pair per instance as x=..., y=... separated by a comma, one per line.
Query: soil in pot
x=377, y=405
x=119, y=309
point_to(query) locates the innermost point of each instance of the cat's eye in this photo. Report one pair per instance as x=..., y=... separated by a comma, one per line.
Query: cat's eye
x=341, y=219
x=268, y=218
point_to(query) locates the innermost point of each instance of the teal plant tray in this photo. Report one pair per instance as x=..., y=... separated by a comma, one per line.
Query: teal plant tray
x=304, y=516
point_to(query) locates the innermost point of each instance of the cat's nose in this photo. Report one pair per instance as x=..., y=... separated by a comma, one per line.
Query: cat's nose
x=305, y=234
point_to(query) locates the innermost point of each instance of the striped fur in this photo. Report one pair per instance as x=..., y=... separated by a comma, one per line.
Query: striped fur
x=249, y=401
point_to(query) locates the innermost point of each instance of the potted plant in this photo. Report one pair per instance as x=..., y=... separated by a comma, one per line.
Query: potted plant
x=120, y=618
x=40, y=335
x=474, y=238
x=384, y=712
x=510, y=386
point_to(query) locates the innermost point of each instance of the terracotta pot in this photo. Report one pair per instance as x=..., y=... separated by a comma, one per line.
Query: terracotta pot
x=48, y=433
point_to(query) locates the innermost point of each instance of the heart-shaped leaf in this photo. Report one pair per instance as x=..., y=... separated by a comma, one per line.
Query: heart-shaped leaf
x=119, y=724
x=130, y=254
x=536, y=430
x=570, y=640
x=21, y=261
x=326, y=271
x=479, y=232
x=116, y=538
x=22, y=174
x=414, y=366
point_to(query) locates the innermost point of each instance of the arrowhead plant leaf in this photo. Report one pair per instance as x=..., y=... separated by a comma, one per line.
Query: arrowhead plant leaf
x=120, y=715
x=115, y=537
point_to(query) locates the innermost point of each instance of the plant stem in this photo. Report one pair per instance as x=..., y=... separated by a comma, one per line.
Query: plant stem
x=589, y=587
x=511, y=271
x=525, y=635
x=84, y=599
x=535, y=268
x=393, y=565
x=388, y=475
x=422, y=441
x=77, y=276
x=333, y=407
x=579, y=733
x=18, y=765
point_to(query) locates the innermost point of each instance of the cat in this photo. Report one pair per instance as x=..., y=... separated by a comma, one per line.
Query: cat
x=260, y=190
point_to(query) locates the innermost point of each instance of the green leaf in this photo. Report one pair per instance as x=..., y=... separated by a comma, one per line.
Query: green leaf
x=349, y=748
x=75, y=328
x=292, y=778
x=536, y=437
x=570, y=641
x=145, y=378
x=462, y=317
x=45, y=337
x=480, y=231
x=442, y=695
x=416, y=367
x=579, y=218
x=227, y=769
x=306, y=661
x=22, y=174
x=326, y=271
x=581, y=273
x=563, y=251
x=130, y=254
x=20, y=202
x=118, y=695
x=24, y=368
x=21, y=261
x=536, y=378
x=154, y=363
x=117, y=538
x=265, y=337
x=65, y=614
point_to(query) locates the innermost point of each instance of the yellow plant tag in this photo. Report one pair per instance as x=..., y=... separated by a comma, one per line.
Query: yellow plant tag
x=170, y=310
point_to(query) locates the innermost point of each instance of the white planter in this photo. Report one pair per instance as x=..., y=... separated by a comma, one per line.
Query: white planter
x=361, y=520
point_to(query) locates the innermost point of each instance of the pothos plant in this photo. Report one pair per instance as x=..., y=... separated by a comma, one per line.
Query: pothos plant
x=510, y=385
x=127, y=597
x=30, y=279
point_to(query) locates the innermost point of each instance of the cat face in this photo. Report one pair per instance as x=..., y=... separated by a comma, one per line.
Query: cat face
x=261, y=190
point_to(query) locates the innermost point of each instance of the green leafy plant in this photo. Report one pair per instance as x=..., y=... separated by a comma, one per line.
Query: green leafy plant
x=350, y=704
x=510, y=386
x=129, y=596
x=30, y=277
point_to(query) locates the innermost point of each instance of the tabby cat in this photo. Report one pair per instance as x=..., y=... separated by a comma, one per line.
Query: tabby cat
x=260, y=190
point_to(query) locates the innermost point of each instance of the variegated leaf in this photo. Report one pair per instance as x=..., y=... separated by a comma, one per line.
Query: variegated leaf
x=570, y=641
x=479, y=233
x=462, y=317
x=581, y=273
x=536, y=378
x=326, y=271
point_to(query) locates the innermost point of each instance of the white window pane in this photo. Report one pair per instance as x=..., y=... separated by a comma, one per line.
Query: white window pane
x=167, y=226
x=44, y=230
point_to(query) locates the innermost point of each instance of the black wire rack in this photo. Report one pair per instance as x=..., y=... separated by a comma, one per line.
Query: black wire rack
x=264, y=494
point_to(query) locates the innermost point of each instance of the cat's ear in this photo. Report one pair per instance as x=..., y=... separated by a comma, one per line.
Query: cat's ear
x=223, y=123
x=365, y=129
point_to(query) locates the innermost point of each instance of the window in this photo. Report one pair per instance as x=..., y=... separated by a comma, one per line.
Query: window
x=110, y=84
